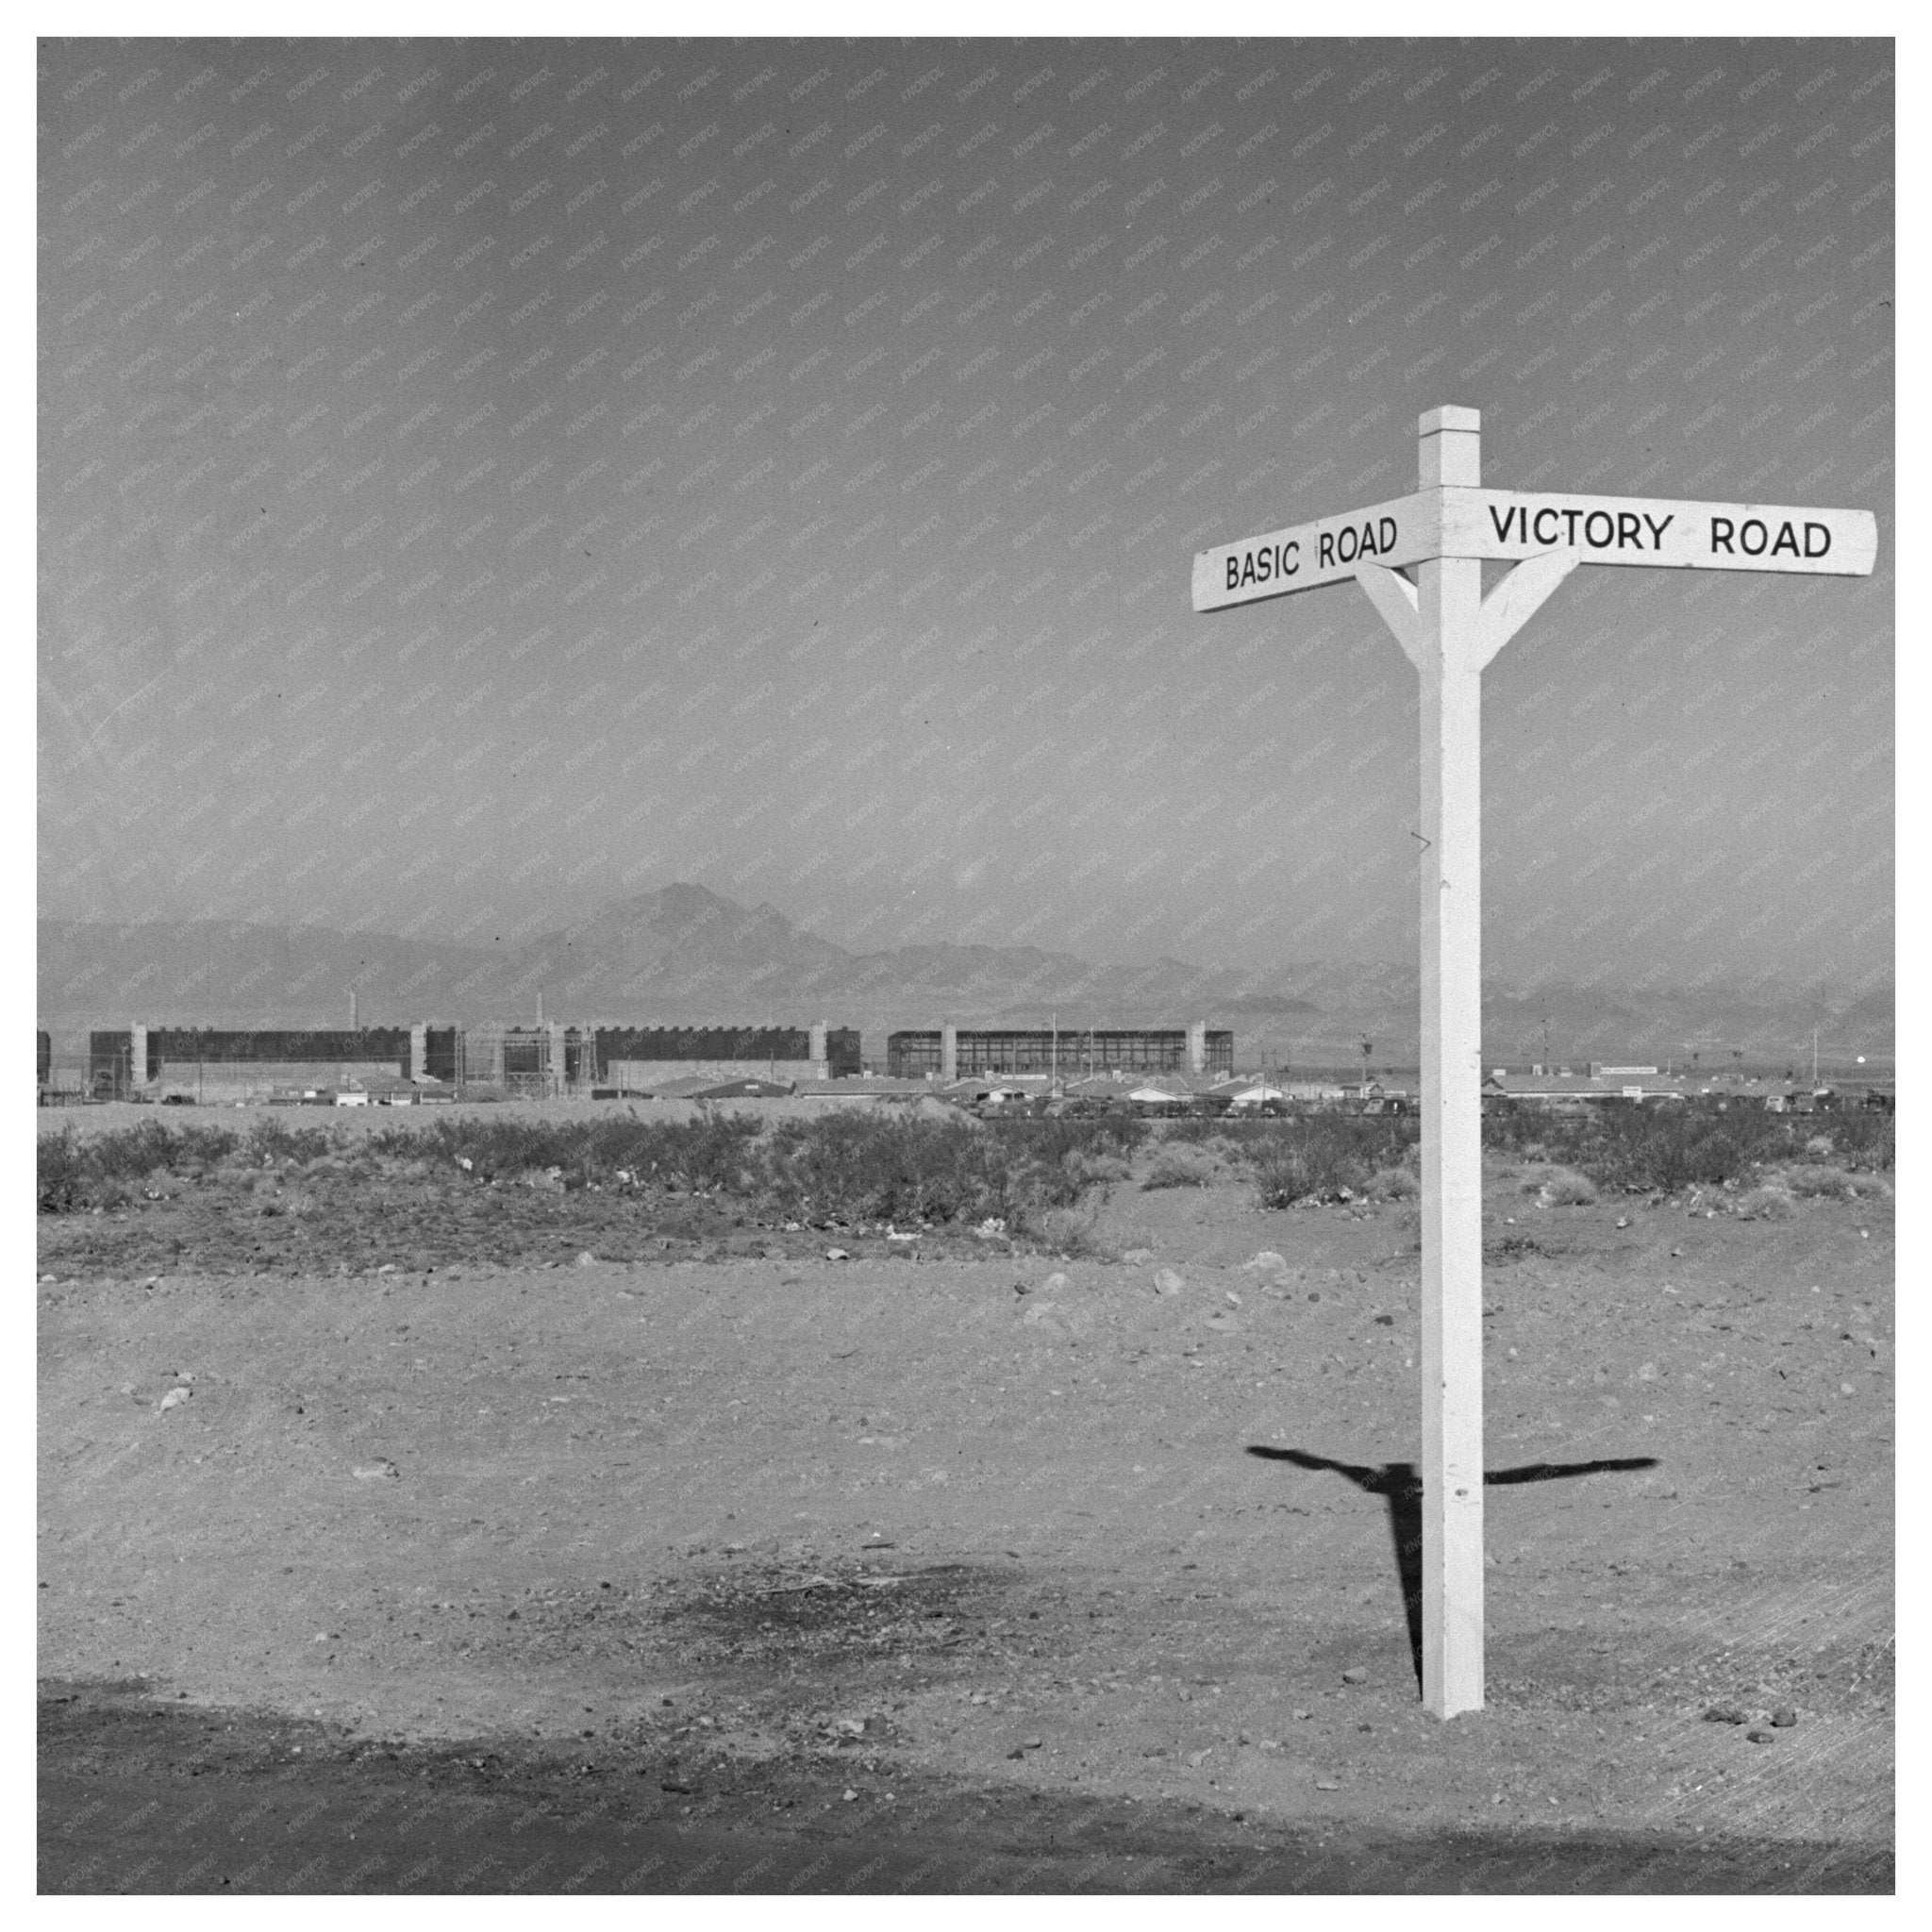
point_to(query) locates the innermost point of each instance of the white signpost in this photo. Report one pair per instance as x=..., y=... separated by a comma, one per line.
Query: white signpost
x=1450, y=631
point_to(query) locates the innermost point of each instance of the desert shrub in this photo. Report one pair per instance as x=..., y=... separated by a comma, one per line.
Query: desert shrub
x=276, y=1140
x=406, y=1167
x=1064, y=1231
x=1666, y=1149
x=501, y=1143
x=1529, y=1132
x=1318, y=1155
x=61, y=1179
x=132, y=1152
x=1863, y=1139
x=127, y=1153
x=1195, y=1133
x=1307, y=1170
x=1815, y=1183
x=886, y=1167
x=1388, y=1138
x=713, y=1153
x=854, y=1167
x=844, y=1167
x=1824, y=1183
x=1392, y=1184
x=199, y=1148
x=72, y=1170
x=1051, y=1163
x=1560, y=1188
x=1046, y=1139
x=1765, y=1204
x=1181, y=1167
x=1645, y=1148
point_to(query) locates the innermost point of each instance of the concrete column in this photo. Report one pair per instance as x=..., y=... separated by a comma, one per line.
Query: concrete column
x=557, y=1029
x=419, y=1050
x=819, y=1054
x=949, y=1052
x=137, y=1058
x=1197, y=1047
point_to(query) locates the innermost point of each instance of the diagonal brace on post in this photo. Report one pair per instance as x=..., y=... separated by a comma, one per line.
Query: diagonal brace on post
x=1502, y=613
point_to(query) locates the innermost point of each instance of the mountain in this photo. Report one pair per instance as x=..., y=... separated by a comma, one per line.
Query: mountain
x=683, y=945
x=686, y=955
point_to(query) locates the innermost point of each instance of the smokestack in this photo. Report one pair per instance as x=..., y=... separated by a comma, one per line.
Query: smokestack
x=353, y=1027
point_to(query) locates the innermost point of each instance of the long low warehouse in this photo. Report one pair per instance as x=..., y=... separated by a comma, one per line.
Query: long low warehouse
x=952, y=1053
x=558, y=1058
x=212, y=1064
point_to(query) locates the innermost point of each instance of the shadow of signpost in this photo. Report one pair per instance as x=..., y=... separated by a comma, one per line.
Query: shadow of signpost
x=1401, y=1484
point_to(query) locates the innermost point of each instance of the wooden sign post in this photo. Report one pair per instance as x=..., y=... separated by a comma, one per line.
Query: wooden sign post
x=1450, y=631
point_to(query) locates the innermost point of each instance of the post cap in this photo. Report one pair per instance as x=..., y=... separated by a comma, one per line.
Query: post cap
x=1449, y=417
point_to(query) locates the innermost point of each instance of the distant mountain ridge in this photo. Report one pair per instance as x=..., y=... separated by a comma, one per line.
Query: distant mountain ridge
x=688, y=955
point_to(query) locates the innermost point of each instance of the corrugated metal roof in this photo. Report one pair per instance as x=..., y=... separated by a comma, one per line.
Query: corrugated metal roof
x=863, y=1090
x=1588, y=1087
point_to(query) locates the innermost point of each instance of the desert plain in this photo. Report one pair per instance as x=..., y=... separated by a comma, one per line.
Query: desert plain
x=408, y=1527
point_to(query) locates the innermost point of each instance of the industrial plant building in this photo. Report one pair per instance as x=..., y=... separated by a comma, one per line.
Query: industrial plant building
x=558, y=1058
x=952, y=1053
x=643, y=1056
x=530, y=1062
x=211, y=1065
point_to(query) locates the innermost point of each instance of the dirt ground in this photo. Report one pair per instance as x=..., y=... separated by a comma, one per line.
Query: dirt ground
x=669, y=1541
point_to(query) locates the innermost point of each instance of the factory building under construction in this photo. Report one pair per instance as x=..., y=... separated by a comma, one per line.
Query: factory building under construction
x=551, y=1060
x=560, y=1059
x=952, y=1052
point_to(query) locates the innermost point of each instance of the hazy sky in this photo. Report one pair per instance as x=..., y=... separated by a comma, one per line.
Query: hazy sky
x=478, y=481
